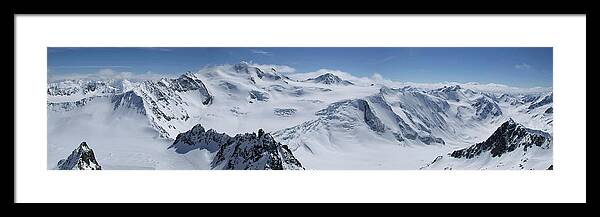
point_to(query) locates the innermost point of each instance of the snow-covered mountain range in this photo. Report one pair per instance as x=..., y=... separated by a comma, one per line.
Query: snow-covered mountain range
x=319, y=120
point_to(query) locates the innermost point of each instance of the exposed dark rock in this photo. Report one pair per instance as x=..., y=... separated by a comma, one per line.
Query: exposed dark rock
x=508, y=137
x=82, y=158
x=431, y=139
x=189, y=82
x=257, y=95
x=372, y=121
x=241, y=152
x=128, y=100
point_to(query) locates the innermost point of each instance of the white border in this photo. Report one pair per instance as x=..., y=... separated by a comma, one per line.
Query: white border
x=564, y=184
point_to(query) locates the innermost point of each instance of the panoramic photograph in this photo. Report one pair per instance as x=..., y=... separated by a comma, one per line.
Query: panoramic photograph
x=299, y=108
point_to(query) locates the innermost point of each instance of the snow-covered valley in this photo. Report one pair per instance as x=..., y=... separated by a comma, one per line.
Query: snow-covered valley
x=326, y=119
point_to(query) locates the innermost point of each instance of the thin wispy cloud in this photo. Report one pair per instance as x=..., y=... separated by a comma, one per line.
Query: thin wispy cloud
x=261, y=52
x=377, y=77
x=523, y=66
x=387, y=59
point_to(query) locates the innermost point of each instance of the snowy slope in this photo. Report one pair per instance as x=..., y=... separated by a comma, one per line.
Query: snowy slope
x=120, y=139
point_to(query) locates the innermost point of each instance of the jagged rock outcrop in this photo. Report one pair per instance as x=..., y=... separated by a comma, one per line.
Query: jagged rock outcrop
x=249, y=151
x=82, y=158
x=511, y=146
x=508, y=137
x=252, y=151
x=199, y=138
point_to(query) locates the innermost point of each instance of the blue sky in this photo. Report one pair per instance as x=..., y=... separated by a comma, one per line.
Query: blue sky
x=520, y=67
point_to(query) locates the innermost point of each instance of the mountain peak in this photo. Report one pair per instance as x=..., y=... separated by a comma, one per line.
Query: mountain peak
x=243, y=67
x=511, y=146
x=188, y=74
x=84, y=147
x=189, y=82
x=507, y=138
x=329, y=78
x=82, y=158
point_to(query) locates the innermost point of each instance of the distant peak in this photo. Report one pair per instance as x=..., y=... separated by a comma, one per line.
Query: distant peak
x=330, y=78
x=329, y=74
x=186, y=75
x=243, y=66
x=244, y=63
x=386, y=90
x=455, y=87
